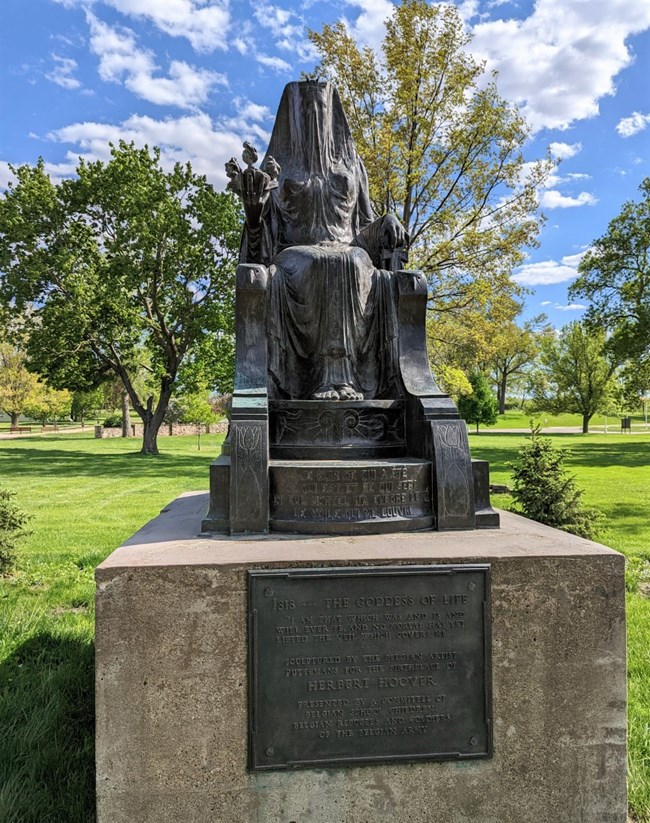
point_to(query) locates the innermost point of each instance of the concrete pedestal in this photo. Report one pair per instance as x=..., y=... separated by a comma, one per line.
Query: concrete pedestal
x=172, y=676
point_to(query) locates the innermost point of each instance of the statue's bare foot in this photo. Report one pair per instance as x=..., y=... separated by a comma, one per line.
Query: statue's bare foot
x=326, y=393
x=348, y=393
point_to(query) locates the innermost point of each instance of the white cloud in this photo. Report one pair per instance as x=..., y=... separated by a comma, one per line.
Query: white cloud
x=558, y=62
x=556, y=200
x=278, y=20
x=570, y=307
x=629, y=126
x=562, y=151
x=194, y=137
x=549, y=272
x=205, y=25
x=574, y=259
x=369, y=29
x=252, y=111
x=120, y=60
x=63, y=71
x=546, y=303
x=275, y=63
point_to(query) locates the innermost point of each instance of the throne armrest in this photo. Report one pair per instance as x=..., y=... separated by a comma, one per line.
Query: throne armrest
x=251, y=356
x=249, y=415
x=412, y=294
x=433, y=425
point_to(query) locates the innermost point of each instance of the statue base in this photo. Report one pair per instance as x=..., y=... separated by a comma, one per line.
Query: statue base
x=172, y=671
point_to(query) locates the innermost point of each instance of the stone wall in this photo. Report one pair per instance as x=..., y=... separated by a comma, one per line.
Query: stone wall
x=176, y=429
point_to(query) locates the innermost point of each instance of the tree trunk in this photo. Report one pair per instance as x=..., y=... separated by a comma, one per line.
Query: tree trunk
x=15, y=417
x=153, y=421
x=585, y=423
x=502, y=393
x=150, y=438
x=126, y=414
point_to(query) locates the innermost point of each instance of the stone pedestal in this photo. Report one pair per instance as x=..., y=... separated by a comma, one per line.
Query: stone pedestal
x=172, y=682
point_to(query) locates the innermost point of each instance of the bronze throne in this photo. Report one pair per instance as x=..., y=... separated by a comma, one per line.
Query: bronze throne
x=337, y=425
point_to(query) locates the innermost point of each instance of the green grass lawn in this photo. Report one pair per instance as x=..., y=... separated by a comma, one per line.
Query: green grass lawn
x=516, y=419
x=86, y=496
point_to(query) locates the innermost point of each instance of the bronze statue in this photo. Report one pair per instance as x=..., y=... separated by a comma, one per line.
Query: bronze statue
x=308, y=215
x=337, y=425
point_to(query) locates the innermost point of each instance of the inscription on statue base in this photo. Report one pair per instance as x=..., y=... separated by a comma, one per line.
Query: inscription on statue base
x=321, y=495
x=367, y=664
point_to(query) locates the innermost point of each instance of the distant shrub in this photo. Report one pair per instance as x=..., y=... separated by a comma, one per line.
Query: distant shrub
x=113, y=421
x=545, y=492
x=12, y=528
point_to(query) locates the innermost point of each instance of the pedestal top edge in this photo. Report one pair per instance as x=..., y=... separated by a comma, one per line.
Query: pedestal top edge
x=172, y=539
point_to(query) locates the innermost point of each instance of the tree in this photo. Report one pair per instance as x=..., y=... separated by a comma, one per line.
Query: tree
x=516, y=348
x=481, y=405
x=196, y=408
x=615, y=276
x=123, y=259
x=442, y=149
x=85, y=404
x=546, y=493
x=49, y=404
x=578, y=374
x=635, y=379
x=18, y=386
x=465, y=340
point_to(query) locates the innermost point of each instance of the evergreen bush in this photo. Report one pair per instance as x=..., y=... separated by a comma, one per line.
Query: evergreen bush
x=545, y=492
x=12, y=528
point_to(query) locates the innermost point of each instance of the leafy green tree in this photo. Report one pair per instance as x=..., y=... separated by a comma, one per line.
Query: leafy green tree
x=481, y=405
x=126, y=257
x=579, y=376
x=196, y=408
x=614, y=275
x=85, y=404
x=545, y=492
x=442, y=148
x=50, y=404
x=18, y=386
x=635, y=384
x=516, y=348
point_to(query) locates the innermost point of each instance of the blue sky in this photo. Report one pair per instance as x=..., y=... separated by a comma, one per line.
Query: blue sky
x=197, y=77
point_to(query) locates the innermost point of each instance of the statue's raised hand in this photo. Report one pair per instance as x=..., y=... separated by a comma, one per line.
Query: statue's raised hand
x=393, y=235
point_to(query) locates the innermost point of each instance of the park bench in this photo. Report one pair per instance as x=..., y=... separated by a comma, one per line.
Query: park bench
x=20, y=429
x=45, y=429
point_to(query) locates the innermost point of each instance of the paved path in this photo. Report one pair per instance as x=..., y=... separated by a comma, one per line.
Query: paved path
x=563, y=430
x=66, y=430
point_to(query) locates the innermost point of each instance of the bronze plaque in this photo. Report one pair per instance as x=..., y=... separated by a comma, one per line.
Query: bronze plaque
x=369, y=664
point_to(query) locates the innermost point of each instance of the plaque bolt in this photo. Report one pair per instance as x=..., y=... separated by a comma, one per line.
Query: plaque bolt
x=270, y=751
x=269, y=592
x=472, y=740
x=471, y=586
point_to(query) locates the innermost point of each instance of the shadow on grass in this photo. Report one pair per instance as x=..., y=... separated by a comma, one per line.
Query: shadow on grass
x=25, y=460
x=626, y=453
x=47, y=732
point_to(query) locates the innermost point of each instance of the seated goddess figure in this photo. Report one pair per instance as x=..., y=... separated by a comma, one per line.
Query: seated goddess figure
x=332, y=317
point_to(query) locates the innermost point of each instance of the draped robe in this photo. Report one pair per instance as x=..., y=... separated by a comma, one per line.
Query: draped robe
x=332, y=317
